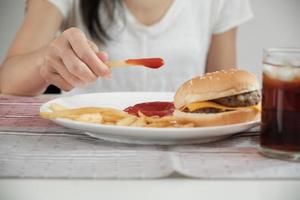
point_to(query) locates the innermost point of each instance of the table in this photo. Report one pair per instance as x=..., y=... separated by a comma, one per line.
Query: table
x=36, y=151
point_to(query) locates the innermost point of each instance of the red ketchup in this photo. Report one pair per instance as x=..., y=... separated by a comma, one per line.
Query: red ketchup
x=149, y=109
x=153, y=63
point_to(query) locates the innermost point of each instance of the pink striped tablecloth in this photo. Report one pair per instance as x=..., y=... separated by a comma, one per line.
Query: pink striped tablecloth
x=31, y=147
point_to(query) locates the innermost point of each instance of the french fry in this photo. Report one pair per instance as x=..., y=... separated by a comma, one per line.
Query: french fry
x=140, y=114
x=46, y=115
x=177, y=125
x=161, y=124
x=115, y=115
x=189, y=125
x=160, y=119
x=111, y=116
x=91, y=118
x=80, y=111
x=113, y=112
x=140, y=122
x=57, y=107
x=54, y=115
x=110, y=119
x=127, y=121
x=68, y=112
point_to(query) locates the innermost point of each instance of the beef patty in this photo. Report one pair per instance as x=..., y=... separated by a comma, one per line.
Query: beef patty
x=240, y=100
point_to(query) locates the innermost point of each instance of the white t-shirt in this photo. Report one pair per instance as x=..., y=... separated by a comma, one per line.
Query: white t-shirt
x=181, y=38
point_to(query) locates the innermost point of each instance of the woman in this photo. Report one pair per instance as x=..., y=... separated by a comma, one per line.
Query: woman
x=192, y=37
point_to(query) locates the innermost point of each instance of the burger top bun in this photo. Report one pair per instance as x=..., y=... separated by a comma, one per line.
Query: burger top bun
x=215, y=85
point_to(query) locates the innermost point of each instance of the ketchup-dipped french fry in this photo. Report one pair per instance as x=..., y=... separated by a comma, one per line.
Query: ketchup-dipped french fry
x=153, y=63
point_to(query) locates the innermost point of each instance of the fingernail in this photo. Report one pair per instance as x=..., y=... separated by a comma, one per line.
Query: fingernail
x=107, y=76
x=105, y=71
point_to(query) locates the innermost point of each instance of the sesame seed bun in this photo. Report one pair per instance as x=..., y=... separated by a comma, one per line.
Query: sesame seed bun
x=212, y=86
x=215, y=85
x=218, y=119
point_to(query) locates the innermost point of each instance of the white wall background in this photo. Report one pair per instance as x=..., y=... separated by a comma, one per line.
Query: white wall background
x=276, y=24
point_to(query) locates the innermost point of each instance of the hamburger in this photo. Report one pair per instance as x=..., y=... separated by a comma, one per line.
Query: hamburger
x=218, y=98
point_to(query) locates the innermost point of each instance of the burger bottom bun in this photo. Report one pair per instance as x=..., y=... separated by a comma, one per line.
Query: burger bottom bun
x=218, y=119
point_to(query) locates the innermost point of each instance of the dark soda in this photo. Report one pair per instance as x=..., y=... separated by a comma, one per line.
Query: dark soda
x=281, y=114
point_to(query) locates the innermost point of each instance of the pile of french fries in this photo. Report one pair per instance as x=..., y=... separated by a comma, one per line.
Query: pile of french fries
x=111, y=116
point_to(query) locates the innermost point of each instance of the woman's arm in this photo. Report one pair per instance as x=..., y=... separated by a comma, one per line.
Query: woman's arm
x=19, y=73
x=37, y=58
x=222, y=51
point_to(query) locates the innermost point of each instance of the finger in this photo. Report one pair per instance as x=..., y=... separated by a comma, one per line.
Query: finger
x=78, y=68
x=61, y=69
x=63, y=51
x=93, y=46
x=81, y=47
x=103, y=56
x=60, y=82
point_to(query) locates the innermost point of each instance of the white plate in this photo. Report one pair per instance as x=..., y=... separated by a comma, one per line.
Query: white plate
x=162, y=136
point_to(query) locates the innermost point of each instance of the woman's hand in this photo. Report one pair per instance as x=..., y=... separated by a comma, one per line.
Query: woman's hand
x=71, y=60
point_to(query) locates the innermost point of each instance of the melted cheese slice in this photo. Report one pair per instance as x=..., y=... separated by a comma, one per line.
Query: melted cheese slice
x=208, y=104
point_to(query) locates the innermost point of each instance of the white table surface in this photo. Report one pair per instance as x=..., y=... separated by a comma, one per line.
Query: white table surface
x=174, y=187
x=29, y=189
